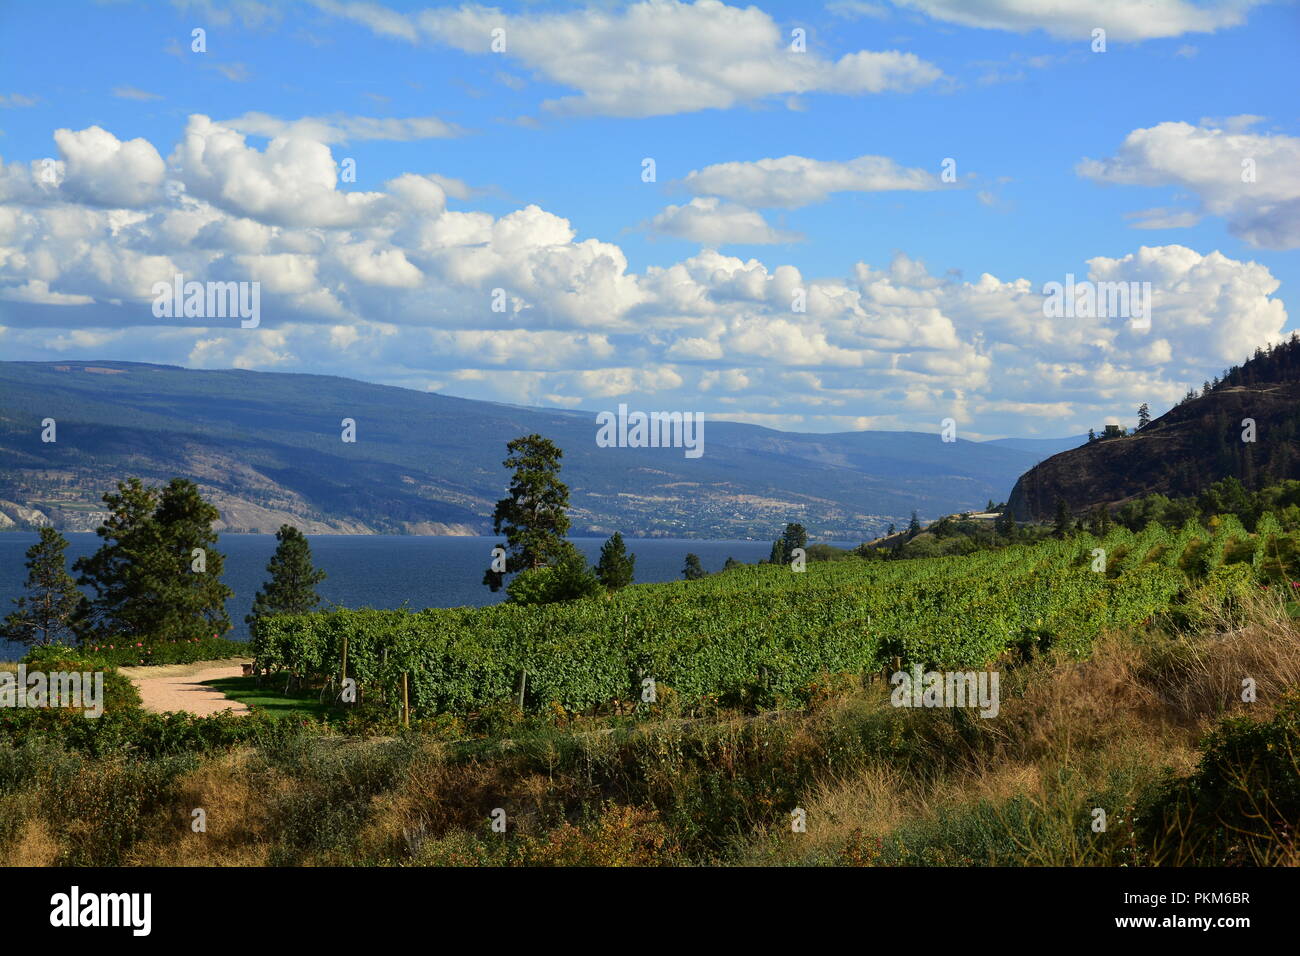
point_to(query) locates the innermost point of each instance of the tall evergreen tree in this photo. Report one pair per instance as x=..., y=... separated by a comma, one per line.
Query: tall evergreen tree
x=1063, y=525
x=122, y=606
x=795, y=536
x=292, y=585
x=1099, y=522
x=534, y=518
x=616, y=568
x=1144, y=415
x=914, y=526
x=189, y=584
x=44, y=615
x=693, y=570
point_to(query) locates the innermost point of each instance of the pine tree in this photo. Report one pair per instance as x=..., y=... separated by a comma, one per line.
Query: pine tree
x=730, y=563
x=44, y=615
x=914, y=526
x=534, y=518
x=1099, y=521
x=693, y=570
x=189, y=584
x=1092, y=435
x=616, y=567
x=123, y=605
x=1062, y=526
x=157, y=576
x=291, y=588
x=795, y=536
x=1144, y=415
x=1005, y=525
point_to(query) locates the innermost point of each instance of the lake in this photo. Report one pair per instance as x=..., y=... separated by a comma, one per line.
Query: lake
x=384, y=571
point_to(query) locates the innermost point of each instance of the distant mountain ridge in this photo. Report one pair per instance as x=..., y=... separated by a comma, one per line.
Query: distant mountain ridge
x=266, y=449
x=1199, y=441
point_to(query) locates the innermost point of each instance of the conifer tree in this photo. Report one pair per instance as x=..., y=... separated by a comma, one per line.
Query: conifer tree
x=616, y=568
x=534, y=517
x=158, y=575
x=291, y=588
x=44, y=614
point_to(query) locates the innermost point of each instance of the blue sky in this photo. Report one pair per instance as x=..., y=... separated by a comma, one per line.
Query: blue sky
x=814, y=170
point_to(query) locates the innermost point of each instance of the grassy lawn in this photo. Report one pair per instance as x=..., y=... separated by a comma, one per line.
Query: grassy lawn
x=269, y=697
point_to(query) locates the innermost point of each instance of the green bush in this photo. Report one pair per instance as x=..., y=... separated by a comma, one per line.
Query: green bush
x=135, y=654
x=1242, y=804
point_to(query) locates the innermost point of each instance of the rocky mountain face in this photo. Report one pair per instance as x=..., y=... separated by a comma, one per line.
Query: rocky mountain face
x=1246, y=425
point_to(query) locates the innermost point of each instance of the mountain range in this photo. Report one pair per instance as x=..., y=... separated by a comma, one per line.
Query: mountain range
x=267, y=448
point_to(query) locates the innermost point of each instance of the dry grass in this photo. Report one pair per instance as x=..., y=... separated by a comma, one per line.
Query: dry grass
x=1131, y=710
x=1067, y=731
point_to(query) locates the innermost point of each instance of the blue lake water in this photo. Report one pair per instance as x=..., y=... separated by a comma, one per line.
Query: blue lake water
x=384, y=571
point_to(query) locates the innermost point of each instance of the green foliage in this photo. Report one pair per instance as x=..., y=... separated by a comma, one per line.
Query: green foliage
x=827, y=552
x=693, y=570
x=757, y=639
x=568, y=580
x=190, y=651
x=794, y=536
x=292, y=587
x=534, y=518
x=1243, y=798
x=119, y=693
x=1061, y=527
x=157, y=577
x=120, y=572
x=616, y=568
x=44, y=615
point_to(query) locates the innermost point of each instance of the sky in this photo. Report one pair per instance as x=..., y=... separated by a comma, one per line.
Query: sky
x=814, y=217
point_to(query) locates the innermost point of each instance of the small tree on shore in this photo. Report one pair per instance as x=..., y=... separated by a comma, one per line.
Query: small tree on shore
x=44, y=614
x=693, y=570
x=291, y=588
x=616, y=567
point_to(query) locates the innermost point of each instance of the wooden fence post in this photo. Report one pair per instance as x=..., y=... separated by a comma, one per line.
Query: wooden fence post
x=520, y=687
x=406, y=702
x=344, y=675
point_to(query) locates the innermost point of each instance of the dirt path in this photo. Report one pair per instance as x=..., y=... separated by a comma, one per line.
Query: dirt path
x=180, y=687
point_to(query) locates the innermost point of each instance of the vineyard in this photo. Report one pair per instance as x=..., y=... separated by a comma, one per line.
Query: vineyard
x=763, y=634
